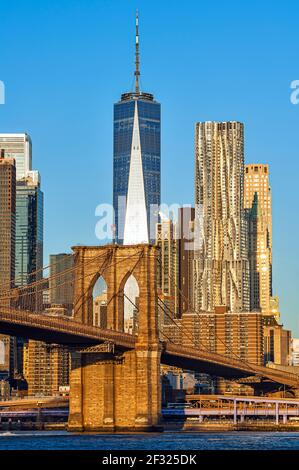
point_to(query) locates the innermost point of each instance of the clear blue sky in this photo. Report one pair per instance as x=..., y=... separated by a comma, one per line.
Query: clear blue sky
x=65, y=62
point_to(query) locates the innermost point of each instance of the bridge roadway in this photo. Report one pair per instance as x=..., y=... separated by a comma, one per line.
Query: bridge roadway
x=34, y=402
x=65, y=331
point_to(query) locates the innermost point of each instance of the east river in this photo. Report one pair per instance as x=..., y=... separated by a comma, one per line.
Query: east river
x=165, y=441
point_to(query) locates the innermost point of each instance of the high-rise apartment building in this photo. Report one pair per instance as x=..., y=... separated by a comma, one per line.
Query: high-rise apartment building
x=136, y=163
x=19, y=147
x=175, y=266
x=7, y=222
x=221, y=267
x=186, y=245
x=258, y=205
x=168, y=269
x=7, y=251
x=231, y=334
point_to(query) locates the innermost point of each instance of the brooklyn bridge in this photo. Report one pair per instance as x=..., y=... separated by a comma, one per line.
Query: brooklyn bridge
x=115, y=378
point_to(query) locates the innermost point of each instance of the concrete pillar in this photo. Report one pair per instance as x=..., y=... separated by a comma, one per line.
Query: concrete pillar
x=277, y=413
x=235, y=411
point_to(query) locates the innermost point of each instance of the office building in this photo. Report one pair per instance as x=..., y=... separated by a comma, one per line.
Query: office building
x=277, y=343
x=258, y=205
x=175, y=267
x=221, y=267
x=186, y=245
x=7, y=253
x=136, y=163
x=7, y=222
x=168, y=269
x=29, y=230
x=61, y=281
x=18, y=147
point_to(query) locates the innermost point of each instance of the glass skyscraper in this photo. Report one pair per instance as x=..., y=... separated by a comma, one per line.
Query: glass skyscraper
x=29, y=230
x=136, y=163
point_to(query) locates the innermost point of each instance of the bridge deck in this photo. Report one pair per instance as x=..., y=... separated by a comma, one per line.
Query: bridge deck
x=58, y=330
x=68, y=332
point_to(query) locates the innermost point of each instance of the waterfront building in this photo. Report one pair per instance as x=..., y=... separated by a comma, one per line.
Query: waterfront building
x=136, y=163
x=221, y=267
x=46, y=368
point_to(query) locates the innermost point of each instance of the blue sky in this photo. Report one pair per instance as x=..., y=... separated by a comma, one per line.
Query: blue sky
x=65, y=62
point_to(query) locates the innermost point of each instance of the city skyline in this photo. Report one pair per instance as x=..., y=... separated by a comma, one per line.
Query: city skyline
x=282, y=265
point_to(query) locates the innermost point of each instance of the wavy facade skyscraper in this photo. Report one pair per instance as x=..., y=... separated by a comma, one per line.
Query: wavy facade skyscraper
x=221, y=265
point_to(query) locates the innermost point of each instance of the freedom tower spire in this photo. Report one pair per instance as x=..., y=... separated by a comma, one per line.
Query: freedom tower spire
x=136, y=161
x=137, y=63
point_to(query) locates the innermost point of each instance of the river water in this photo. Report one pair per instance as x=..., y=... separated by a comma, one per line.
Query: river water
x=47, y=440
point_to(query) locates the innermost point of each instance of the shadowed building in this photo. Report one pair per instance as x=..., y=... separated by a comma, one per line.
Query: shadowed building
x=61, y=284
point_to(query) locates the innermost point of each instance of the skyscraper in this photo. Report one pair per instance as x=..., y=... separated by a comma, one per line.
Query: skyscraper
x=7, y=251
x=136, y=162
x=29, y=230
x=7, y=222
x=19, y=147
x=258, y=204
x=221, y=264
x=168, y=268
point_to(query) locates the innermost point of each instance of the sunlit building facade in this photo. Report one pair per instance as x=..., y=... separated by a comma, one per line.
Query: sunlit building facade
x=258, y=204
x=221, y=267
x=18, y=147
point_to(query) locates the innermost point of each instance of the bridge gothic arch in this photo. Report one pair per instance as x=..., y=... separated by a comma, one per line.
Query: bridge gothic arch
x=116, y=264
x=127, y=384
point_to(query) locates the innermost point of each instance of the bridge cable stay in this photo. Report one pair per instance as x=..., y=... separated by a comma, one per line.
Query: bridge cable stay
x=41, y=282
x=180, y=327
x=28, y=275
x=29, y=297
x=227, y=348
x=40, y=286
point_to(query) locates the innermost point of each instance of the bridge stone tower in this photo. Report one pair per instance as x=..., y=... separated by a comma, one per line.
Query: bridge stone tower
x=114, y=389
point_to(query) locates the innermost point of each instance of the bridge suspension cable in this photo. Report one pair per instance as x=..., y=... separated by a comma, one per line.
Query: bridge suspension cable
x=227, y=348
